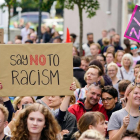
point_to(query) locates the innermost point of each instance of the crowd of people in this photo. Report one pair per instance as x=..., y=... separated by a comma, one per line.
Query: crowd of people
x=106, y=94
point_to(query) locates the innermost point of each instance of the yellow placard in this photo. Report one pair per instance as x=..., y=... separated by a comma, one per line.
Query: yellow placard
x=1, y=36
x=36, y=69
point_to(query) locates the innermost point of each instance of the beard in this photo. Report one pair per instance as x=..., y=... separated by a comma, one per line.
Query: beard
x=116, y=44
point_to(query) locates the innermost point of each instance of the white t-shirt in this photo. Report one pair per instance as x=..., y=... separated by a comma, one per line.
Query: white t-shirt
x=135, y=59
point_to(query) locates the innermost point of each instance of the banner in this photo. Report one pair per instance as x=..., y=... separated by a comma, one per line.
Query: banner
x=36, y=69
x=1, y=36
x=133, y=29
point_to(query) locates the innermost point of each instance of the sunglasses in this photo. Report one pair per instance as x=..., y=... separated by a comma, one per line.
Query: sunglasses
x=133, y=48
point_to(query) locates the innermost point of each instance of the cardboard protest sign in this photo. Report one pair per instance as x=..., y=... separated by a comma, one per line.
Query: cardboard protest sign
x=36, y=69
x=1, y=36
x=133, y=28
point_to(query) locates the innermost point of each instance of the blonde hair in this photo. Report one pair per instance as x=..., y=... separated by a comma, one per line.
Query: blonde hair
x=92, y=135
x=112, y=64
x=116, y=54
x=108, y=49
x=138, y=127
x=105, y=41
x=4, y=111
x=17, y=101
x=76, y=82
x=97, y=45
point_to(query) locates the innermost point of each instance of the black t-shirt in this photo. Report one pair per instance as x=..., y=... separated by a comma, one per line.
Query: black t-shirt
x=6, y=137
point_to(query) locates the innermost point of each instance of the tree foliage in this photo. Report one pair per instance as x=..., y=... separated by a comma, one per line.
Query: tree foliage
x=90, y=7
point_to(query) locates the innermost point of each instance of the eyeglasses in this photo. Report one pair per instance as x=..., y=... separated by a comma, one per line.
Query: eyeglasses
x=107, y=99
x=133, y=48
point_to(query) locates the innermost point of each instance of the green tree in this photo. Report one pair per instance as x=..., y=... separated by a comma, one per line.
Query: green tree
x=9, y=4
x=90, y=7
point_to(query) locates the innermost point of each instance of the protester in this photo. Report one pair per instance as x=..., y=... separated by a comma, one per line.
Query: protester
x=84, y=63
x=127, y=117
x=92, y=75
x=77, y=71
x=102, y=59
x=92, y=121
x=134, y=51
x=86, y=46
x=123, y=84
x=3, y=122
x=22, y=100
x=74, y=51
x=112, y=70
x=45, y=35
x=104, y=34
x=10, y=42
x=69, y=123
x=18, y=41
x=90, y=103
x=36, y=122
x=138, y=127
x=18, y=37
x=118, y=57
x=25, y=31
x=33, y=37
x=109, y=58
x=95, y=49
x=116, y=42
x=105, y=44
x=91, y=135
x=110, y=100
x=107, y=80
x=136, y=71
x=55, y=34
x=130, y=135
x=127, y=44
x=126, y=71
x=109, y=49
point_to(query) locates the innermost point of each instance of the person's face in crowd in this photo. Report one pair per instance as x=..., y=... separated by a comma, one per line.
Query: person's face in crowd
x=56, y=34
x=134, y=49
x=116, y=39
x=134, y=97
x=93, y=95
x=109, y=58
x=92, y=76
x=3, y=123
x=74, y=52
x=101, y=59
x=136, y=71
x=18, y=41
x=90, y=39
x=84, y=65
x=129, y=138
x=119, y=56
x=108, y=101
x=104, y=34
x=101, y=127
x=94, y=50
x=138, y=78
x=27, y=26
x=9, y=42
x=112, y=71
x=126, y=62
x=33, y=36
x=121, y=94
x=25, y=100
x=55, y=101
x=111, y=49
x=35, y=122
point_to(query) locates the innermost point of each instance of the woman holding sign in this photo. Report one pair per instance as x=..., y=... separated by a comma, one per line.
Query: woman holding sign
x=128, y=117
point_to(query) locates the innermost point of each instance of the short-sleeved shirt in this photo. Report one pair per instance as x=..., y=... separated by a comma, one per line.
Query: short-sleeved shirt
x=116, y=120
